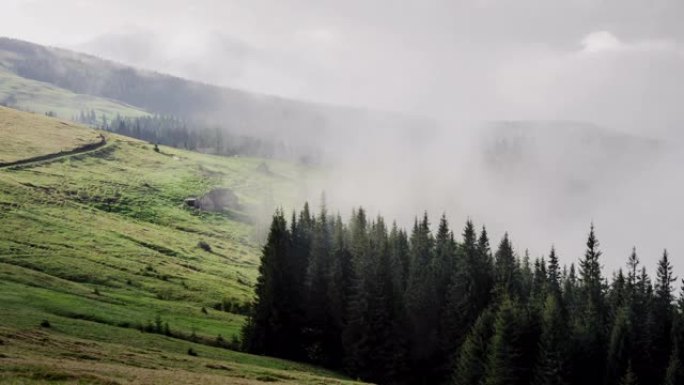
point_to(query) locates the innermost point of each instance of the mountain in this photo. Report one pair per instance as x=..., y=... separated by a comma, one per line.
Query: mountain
x=297, y=122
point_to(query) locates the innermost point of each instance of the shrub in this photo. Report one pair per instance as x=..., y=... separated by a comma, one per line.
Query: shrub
x=204, y=246
x=235, y=343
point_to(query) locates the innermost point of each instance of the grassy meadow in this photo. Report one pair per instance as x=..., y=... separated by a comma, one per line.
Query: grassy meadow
x=27, y=135
x=124, y=277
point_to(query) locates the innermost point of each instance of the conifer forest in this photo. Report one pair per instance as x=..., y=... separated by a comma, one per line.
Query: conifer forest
x=392, y=306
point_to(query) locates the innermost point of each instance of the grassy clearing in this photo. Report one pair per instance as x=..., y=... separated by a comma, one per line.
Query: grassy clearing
x=39, y=97
x=101, y=245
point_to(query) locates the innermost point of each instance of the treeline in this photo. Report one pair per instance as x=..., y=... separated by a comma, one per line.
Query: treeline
x=393, y=307
x=175, y=132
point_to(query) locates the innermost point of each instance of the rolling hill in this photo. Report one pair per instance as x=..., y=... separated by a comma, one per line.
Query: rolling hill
x=108, y=276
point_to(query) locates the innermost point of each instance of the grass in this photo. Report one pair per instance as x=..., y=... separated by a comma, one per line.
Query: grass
x=40, y=97
x=26, y=135
x=101, y=245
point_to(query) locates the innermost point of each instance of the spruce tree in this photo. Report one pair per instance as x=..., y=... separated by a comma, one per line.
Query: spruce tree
x=644, y=321
x=619, y=346
x=470, y=365
x=506, y=270
x=319, y=314
x=552, y=367
x=274, y=326
x=469, y=290
x=632, y=274
x=663, y=312
x=503, y=354
x=399, y=258
x=590, y=274
x=422, y=307
x=339, y=292
x=554, y=274
x=591, y=320
x=356, y=329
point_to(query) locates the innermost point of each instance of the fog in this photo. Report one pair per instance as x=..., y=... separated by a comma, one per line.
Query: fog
x=535, y=117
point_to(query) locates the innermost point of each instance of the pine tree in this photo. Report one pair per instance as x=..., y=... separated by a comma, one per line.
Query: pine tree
x=663, y=312
x=422, y=307
x=644, y=321
x=590, y=274
x=273, y=327
x=554, y=274
x=470, y=365
x=357, y=328
x=339, y=292
x=502, y=358
x=317, y=282
x=539, y=285
x=469, y=290
x=444, y=262
x=632, y=274
x=444, y=271
x=618, y=291
x=590, y=323
x=507, y=275
x=552, y=363
x=399, y=258
x=619, y=346
x=485, y=266
x=384, y=339
x=526, y=277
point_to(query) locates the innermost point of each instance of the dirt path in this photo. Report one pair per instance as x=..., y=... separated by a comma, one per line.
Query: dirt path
x=59, y=155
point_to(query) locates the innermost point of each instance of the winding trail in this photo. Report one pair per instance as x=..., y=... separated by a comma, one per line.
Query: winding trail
x=90, y=147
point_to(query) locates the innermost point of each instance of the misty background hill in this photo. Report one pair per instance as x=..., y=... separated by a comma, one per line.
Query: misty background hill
x=299, y=123
x=537, y=179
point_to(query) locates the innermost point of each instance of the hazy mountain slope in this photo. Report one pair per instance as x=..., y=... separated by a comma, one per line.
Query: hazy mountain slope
x=571, y=151
x=297, y=122
x=41, y=97
x=102, y=244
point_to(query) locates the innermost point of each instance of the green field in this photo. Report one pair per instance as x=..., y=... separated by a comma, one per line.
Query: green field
x=102, y=246
x=27, y=135
x=39, y=97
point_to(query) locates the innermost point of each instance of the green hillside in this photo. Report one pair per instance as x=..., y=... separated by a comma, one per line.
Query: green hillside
x=102, y=246
x=28, y=136
x=40, y=97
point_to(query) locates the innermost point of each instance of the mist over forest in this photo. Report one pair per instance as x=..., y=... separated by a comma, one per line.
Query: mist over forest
x=539, y=120
x=539, y=174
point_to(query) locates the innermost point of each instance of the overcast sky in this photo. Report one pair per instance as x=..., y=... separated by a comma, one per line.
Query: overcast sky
x=619, y=63
x=615, y=63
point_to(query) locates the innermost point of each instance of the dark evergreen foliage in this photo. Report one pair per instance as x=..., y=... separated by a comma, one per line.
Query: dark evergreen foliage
x=192, y=135
x=424, y=308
